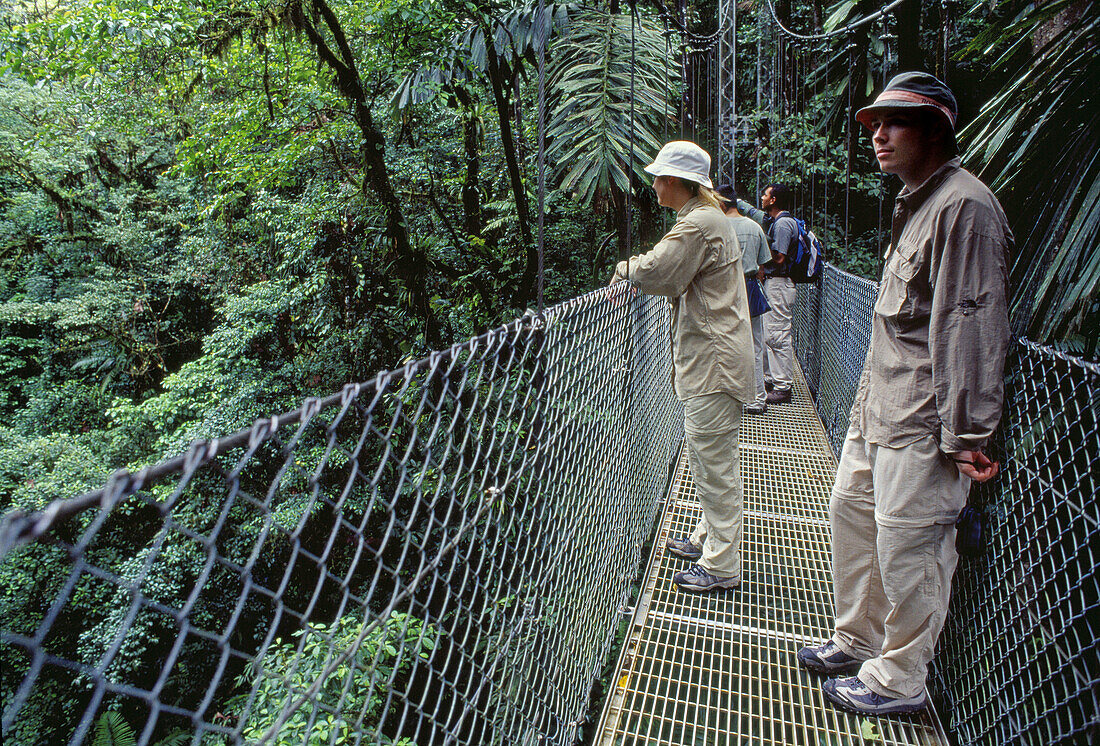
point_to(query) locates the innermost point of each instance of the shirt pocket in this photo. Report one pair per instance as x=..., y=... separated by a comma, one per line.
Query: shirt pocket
x=895, y=297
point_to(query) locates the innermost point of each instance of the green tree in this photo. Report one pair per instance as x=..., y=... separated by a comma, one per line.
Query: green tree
x=1038, y=138
x=330, y=684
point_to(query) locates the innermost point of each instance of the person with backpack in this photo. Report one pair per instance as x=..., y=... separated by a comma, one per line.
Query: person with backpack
x=779, y=287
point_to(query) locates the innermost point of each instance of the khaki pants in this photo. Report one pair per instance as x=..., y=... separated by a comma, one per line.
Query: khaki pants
x=711, y=424
x=758, y=350
x=893, y=514
x=779, y=365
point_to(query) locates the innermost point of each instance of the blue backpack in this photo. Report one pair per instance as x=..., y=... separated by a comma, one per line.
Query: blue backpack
x=809, y=255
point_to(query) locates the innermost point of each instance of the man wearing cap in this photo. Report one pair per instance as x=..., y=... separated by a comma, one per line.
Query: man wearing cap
x=697, y=266
x=929, y=398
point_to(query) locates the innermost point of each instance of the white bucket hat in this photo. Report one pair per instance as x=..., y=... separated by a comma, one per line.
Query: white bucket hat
x=683, y=159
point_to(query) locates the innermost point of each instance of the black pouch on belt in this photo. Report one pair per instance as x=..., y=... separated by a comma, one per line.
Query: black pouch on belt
x=970, y=531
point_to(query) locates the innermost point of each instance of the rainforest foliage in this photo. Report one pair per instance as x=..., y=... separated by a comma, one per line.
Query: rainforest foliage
x=210, y=210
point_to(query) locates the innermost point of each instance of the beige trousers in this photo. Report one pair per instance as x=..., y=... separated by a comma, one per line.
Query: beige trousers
x=758, y=350
x=711, y=425
x=779, y=362
x=893, y=514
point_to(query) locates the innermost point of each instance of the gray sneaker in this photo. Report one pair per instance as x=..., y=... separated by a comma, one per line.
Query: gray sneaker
x=695, y=578
x=827, y=658
x=853, y=695
x=756, y=408
x=681, y=546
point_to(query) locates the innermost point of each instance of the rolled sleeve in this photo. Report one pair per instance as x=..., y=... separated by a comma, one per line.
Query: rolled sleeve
x=749, y=211
x=668, y=268
x=968, y=333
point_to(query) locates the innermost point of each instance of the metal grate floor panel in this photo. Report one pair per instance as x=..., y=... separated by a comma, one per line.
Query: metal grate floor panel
x=720, y=669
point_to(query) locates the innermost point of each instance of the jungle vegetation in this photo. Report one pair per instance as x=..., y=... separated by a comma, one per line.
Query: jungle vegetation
x=210, y=210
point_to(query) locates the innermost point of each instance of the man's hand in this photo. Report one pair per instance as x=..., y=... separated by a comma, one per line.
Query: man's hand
x=976, y=465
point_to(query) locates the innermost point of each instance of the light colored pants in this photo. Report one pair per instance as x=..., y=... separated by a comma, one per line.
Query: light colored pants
x=711, y=424
x=893, y=514
x=758, y=349
x=779, y=365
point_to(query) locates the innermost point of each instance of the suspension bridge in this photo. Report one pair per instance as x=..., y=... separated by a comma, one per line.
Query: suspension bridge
x=469, y=549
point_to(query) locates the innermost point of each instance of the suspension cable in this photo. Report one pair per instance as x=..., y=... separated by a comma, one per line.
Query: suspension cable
x=700, y=41
x=685, y=97
x=848, y=151
x=836, y=32
x=824, y=150
x=544, y=36
x=887, y=63
x=630, y=164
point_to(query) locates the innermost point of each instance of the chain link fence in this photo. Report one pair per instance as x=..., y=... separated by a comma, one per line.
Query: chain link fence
x=1019, y=659
x=832, y=330
x=439, y=555
x=1019, y=662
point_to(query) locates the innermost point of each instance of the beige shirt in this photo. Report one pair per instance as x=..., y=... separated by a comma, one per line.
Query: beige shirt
x=697, y=266
x=939, y=331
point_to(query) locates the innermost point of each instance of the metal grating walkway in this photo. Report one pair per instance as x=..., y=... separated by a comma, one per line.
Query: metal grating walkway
x=712, y=670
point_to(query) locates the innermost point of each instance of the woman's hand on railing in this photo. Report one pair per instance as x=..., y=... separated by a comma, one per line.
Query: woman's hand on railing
x=616, y=297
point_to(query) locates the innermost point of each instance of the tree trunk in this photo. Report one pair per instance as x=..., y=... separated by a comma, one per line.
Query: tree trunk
x=471, y=192
x=519, y=192
x=409, y=267
x=616, y=199
x=1056, y=25
x=517, y=112
x=907, y=30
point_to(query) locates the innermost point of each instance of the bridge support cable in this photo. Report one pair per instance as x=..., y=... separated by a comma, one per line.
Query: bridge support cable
x=727, y=91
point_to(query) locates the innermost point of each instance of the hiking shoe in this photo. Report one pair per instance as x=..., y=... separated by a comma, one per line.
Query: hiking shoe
x=853, y=695
x=755, y=408
x=681, y=546
x=779, y=396
x=827, y=658
x=695, y=578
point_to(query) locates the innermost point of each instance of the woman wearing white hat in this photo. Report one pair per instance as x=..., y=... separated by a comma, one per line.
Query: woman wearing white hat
x=697, y=266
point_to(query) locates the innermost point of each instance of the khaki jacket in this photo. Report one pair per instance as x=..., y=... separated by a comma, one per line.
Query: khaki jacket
x=697, y=266
x=939, y=332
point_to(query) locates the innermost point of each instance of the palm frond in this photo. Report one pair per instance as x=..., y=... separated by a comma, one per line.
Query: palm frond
x=112, y=730
x=594, y=103
x=516, y=37
x=1036, y=143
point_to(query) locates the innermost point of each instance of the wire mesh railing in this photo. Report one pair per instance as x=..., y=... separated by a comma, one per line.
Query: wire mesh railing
x=832, y=330
x=423, y=558
x=1019, y=659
